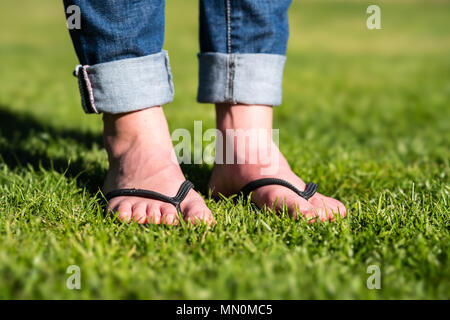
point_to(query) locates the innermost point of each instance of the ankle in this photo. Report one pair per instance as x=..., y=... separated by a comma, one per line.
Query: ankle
x=241, y=116
x=140, y=129
x=246, y=131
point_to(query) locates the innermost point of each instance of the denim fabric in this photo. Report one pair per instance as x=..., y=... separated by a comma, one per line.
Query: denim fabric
x=244, y=64
x=119, y=29
x=123, y=67
x=126, y=85
x=244, y=26
x=248, y=78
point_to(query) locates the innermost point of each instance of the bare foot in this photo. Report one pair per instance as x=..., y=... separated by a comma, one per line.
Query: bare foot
x=228, y=179
x=140, y=156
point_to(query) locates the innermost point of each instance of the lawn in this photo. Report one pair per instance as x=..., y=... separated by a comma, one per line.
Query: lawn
x=365, y=115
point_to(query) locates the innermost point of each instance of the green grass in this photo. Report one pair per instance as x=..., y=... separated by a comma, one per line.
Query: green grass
x=365, y=115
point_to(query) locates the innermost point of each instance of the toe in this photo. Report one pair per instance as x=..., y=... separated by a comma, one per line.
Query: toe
x=169, y=214
x=339, y=208
x=123, y=209
x=325, y=207
x=139, y=212
x=324, y=214
x=332, y=207
x=153, y=214
x=302, y=209
x=199, y=215
x=272, y=198
x=196, y=211
x=297, y=207
x=328, y=208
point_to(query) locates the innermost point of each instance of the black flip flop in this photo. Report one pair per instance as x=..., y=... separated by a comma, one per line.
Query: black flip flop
x=175, y=201
x=309, y=191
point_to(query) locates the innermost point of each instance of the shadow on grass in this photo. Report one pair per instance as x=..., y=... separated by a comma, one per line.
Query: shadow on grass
x=17, y=128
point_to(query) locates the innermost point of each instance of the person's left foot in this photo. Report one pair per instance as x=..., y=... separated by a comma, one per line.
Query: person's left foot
x=229, y=179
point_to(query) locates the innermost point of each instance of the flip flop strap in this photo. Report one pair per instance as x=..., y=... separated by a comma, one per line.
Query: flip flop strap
x=309, y=191
x=176, y=200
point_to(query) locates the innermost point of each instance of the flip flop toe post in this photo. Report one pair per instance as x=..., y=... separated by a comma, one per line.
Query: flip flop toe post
x=306, y=194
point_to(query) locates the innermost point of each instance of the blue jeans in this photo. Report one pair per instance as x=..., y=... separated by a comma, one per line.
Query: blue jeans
x=123, y=67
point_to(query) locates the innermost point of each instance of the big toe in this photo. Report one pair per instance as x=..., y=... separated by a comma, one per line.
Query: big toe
x=331, y=208
x=197, y=212
x=338, y=208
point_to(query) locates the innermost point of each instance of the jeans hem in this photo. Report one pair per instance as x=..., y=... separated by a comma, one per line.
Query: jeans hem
x=126, y=85
x=247, y=78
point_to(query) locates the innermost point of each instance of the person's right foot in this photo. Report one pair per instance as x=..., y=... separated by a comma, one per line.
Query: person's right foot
x=140, y=154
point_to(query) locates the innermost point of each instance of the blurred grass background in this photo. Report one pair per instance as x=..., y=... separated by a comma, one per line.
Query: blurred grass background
x=365, y=115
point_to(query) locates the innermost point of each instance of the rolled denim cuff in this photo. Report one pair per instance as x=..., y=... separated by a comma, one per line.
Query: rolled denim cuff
x=248, y=78
x=126, y=85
